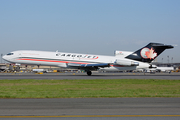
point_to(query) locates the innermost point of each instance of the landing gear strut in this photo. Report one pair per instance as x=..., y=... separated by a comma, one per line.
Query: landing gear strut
x=89, y=73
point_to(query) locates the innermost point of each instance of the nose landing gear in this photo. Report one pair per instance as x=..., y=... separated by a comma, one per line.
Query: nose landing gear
x=89, y=73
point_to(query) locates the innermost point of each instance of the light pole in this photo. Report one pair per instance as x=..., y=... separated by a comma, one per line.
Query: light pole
x=1, y=57
x=168, y=58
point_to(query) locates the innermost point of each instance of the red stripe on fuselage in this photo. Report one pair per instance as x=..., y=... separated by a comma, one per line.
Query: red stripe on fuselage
x=62, y=61
x=116, y=66
x=51, y=61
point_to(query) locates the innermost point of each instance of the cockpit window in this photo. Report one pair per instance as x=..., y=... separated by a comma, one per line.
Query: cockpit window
x=10, y=53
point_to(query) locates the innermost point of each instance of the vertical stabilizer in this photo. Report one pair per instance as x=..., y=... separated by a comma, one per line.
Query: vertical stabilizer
x=149, y=52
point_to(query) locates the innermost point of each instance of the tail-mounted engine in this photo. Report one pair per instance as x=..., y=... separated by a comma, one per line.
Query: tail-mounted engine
x=126, y=63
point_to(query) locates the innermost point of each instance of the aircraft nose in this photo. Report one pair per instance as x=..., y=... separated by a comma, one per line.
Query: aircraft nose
x=4, y=57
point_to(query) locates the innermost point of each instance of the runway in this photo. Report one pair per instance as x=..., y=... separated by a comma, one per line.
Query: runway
x=91, y=108
x=96, y=75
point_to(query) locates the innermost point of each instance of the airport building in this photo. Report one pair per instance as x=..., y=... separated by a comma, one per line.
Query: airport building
x=6, y=67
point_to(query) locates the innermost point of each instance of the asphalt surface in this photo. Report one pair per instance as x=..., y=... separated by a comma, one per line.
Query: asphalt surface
x=96, y=75
x=90, y=108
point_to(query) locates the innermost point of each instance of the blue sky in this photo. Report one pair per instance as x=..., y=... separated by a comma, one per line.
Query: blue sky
x=89, y=26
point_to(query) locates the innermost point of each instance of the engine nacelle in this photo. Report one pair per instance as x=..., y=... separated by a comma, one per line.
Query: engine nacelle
x=126, y=63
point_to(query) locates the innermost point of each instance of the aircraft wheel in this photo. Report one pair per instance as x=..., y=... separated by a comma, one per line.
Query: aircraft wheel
x=89, y=73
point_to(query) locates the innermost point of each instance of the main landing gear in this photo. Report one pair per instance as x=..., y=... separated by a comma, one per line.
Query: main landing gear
x=89, y=73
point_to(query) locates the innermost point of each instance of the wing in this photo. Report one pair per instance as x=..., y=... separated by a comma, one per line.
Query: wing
x=88, y=66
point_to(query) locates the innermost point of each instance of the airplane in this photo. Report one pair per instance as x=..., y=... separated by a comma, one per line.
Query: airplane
x=165, y=69
x=123, y=60
x=157, y=69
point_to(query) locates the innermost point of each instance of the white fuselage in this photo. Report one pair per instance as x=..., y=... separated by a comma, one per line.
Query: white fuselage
x=62, y=59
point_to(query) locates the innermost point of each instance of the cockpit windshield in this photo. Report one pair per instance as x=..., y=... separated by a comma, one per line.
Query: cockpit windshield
x=10, y=53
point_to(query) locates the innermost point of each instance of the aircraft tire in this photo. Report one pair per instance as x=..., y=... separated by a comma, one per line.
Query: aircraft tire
x=89, y=73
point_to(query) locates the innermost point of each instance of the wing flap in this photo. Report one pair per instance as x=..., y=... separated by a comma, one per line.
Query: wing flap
x=89, y=65
x=96, y=65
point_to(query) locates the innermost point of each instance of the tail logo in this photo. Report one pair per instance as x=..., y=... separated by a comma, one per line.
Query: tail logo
x=147, y=53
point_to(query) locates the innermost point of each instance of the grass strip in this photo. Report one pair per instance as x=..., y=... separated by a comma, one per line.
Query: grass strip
x=111, y=88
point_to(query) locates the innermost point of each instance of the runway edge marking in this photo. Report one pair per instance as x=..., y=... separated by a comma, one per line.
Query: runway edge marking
x=91, y=116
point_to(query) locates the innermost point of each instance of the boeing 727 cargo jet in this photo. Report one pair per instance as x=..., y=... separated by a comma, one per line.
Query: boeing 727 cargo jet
x=122, y=60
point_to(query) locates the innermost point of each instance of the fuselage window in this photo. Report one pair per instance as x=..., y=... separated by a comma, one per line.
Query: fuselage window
x=89, y=57
x=84, y=56
x=68, y=55
x=73, y=55
x=94, y=56
x=57, y=54
x=79, y=55
x=10, y=53
x=63, y=55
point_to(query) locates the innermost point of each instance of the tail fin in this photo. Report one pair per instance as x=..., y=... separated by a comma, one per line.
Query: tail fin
x=149, y=52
